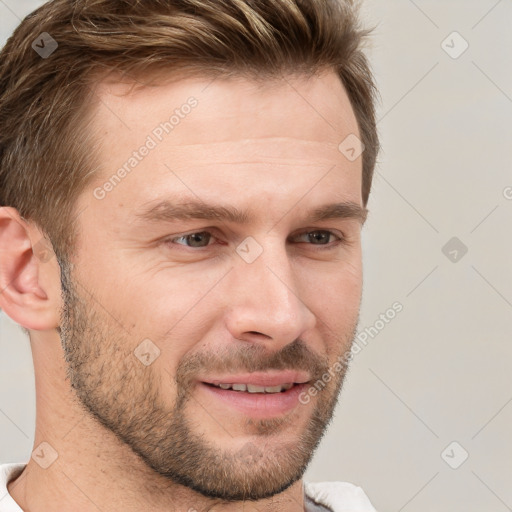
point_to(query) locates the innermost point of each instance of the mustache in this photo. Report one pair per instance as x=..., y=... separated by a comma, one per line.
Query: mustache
x=251, y=358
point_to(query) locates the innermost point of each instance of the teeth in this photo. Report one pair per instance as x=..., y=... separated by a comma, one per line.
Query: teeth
x=256, y=389
x=273, y=389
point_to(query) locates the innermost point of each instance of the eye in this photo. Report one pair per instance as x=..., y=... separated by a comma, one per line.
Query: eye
x=198, y=239
x=319, y=237
x=201, y=239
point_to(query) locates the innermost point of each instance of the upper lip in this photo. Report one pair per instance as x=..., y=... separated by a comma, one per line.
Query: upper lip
x=265, y=379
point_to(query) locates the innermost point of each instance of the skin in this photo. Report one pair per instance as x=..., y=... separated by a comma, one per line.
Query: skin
x=270, y=150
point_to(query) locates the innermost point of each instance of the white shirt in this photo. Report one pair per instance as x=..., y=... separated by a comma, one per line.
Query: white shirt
x=332, y=496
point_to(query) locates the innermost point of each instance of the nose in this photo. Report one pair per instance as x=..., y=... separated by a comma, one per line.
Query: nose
x=266, y=303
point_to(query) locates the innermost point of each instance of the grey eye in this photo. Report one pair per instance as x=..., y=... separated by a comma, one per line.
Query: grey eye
x=199, y=239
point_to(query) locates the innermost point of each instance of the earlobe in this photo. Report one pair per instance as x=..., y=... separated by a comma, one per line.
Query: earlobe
x=29, y=274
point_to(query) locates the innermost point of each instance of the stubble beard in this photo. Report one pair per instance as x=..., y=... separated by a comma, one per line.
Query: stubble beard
x=127, y=398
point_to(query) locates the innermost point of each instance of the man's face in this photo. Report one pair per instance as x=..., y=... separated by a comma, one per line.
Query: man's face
x=165, y=313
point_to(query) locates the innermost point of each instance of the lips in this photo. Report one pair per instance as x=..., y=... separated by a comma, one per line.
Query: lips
x=257, y=380
x=252, y=388
x=258, y=394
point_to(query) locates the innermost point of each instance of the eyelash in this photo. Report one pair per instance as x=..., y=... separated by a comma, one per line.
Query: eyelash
x=329, y=245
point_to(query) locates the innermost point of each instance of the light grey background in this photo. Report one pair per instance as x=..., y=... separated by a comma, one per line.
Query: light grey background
x=440, y=371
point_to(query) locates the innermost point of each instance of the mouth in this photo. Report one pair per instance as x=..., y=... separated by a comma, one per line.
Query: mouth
x=258, y=395
x=251, y=388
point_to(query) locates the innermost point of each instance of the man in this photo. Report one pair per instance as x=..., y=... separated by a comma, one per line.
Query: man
x=183, y=186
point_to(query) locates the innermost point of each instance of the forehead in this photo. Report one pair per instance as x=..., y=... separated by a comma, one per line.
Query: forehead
x=224, y=132
x=306, y=108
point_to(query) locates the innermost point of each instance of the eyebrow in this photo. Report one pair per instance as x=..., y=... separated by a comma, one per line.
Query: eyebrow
x=168, y=211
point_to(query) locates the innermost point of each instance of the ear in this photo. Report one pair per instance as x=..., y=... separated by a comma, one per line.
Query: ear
x=29, y=274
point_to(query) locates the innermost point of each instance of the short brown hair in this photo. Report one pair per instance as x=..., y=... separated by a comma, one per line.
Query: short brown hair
x=45, y=149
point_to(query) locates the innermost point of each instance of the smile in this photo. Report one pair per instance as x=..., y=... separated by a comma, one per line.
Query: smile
x=251, y=388
x=256, y=395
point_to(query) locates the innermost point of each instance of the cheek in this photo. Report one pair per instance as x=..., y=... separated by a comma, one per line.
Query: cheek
x=336, y=293
x=168, y=309
x=337, y=300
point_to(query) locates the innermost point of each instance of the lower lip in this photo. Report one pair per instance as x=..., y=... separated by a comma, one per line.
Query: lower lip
x=261, y=405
